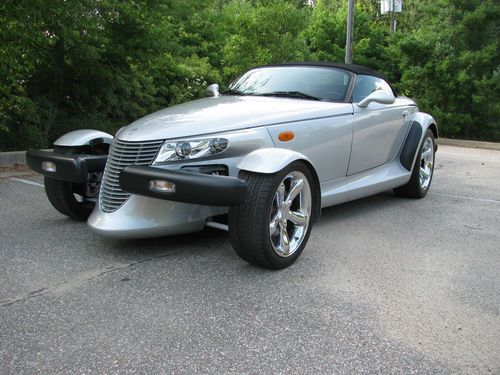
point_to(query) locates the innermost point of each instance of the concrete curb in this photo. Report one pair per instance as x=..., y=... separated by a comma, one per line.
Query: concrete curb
x=468, y=144
x=13, y=157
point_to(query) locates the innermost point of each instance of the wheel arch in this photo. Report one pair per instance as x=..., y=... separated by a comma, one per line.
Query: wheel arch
x=434, y=129
x=272, y=160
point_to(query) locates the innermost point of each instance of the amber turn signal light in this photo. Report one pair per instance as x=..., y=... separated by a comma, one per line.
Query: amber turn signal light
x=286, y=136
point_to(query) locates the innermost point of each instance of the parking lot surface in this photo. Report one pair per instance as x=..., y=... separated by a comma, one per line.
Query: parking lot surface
x=385, y=285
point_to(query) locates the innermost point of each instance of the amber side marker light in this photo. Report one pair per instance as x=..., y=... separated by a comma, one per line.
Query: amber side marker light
x=286, y=136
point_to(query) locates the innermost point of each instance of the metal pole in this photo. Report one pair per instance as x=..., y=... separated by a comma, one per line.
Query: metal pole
x=393, y=25
x=350, y=27
x=393, y=16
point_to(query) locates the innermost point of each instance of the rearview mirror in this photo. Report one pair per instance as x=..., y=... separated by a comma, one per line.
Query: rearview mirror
x=378, y=96
x=213, y=90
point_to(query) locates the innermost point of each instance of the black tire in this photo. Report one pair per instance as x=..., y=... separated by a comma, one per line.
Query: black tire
x=249, y=223
x=61, y=196
x=414, y=189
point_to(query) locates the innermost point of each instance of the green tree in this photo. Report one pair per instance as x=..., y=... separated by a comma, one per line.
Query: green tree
x=450, y=63
x=103, y=63
x=261, y=34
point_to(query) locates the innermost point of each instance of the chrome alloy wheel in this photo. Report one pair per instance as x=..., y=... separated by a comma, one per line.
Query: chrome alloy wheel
x=290, y=214
x=426, y=163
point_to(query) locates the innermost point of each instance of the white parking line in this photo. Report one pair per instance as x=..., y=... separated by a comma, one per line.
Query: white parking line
x=468, y=198
x=27, y=181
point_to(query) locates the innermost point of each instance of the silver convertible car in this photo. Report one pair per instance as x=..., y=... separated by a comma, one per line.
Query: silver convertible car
x=260, y=159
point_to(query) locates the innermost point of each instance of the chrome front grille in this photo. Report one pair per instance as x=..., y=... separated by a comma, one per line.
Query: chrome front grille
x=122, y=154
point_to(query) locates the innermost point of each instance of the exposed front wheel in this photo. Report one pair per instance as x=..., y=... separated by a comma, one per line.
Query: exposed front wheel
x=73, y=200
x=423, y=170
x=271, y=228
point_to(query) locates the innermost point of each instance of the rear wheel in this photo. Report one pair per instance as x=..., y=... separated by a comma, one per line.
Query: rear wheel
x=73, y=200
x=423, y=170
x=271, y=228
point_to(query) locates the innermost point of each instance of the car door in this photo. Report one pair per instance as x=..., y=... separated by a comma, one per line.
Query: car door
x=378, y=129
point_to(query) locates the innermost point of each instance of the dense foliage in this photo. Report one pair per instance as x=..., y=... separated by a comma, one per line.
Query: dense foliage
x=103, y=63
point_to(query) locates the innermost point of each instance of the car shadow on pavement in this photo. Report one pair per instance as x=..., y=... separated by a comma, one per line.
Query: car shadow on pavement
x=195, y=243
x=359, y=207
x=212, y=240
x=208, y=241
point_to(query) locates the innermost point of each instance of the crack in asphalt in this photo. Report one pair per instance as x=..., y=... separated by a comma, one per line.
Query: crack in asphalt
x=79, y=280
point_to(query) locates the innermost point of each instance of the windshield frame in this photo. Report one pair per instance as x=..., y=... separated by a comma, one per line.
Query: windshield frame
x=348, y=92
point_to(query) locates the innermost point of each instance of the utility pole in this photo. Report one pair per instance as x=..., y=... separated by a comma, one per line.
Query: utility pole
x=393, y=17
x=350, y=27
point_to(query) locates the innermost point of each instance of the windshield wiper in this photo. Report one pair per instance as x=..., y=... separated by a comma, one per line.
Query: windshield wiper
x=291, y=94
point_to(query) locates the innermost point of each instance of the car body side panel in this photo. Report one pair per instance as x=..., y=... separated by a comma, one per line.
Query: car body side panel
x=379, y=131
x=376, y=180
x=326, y=142
x=372, y=181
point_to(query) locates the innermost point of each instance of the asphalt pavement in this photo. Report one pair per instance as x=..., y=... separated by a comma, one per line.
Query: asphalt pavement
x=386, y=285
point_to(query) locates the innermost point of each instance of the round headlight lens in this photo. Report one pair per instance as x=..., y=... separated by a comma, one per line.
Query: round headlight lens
x=218, y=144
x=183, y=149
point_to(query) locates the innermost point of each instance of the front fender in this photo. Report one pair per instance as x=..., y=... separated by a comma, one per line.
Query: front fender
x=83, y=137
x=270, y=160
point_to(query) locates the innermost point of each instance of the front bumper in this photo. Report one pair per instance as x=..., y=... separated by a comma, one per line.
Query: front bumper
x=143, y=217
x=197, y=197
x=66, y=167
x=194, y=188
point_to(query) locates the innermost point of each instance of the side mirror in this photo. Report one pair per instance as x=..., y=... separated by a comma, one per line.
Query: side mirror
x=213, y=90
x=378, y=96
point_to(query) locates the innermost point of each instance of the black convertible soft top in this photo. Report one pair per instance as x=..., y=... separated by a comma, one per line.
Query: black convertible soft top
x=354, y=68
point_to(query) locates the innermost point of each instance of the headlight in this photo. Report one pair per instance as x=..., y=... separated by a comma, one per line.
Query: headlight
x=191, y=149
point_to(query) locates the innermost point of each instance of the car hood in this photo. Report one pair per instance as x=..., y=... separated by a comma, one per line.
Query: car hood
x=225, y=113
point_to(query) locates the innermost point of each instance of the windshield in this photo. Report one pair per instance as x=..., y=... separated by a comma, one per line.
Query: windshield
x=302, y=82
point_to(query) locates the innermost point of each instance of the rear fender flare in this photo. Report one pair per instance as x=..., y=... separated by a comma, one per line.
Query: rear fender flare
x=420, y=123
x=273, y=160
